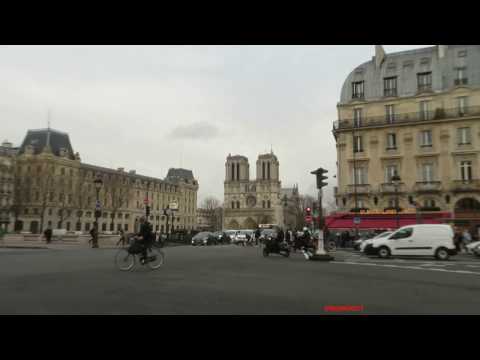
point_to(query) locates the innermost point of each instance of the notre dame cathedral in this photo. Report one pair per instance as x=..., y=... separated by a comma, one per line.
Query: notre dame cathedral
x=260, y=202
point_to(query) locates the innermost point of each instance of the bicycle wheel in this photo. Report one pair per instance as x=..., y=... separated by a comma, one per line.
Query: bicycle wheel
x=124, y=260
x=157, y=257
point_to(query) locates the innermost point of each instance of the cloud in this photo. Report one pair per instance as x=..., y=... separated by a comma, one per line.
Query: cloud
x=195, y=131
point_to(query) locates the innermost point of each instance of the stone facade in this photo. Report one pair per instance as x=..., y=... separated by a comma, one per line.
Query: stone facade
x=417, y=114
x=250, y=203
x=7, y=181
x=53, y=188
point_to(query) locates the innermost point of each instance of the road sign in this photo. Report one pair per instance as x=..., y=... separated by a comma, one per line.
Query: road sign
x=97, y=204
x=356, y=220
x=308, y=219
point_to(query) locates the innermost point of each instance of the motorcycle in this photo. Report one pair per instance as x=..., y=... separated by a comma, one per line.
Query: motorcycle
x=272, y=247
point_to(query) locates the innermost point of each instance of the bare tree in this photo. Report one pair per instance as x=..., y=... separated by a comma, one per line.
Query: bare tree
x=65, y=200
x=212, y=208
x=304, y=201
x=80, y=196
x=117, y=191
x=45, y=189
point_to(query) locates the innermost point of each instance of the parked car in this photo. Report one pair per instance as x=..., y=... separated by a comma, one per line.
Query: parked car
x=267, y=233
x=360, y=244
x=222, y=237
x=415, y=240
x=474, y=248
x=241, y=237
x=204, y=238
x=231, y=234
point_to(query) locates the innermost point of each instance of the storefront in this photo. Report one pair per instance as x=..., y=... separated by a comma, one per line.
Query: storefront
x=382, y=221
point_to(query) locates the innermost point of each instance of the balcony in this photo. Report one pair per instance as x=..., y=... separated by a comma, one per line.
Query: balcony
x=360, y=189
x=389, y=188
x=428, y=186
x=424, y=87
x=460, y=186
x=458, y=82
x=407, y=118
x=390, y=92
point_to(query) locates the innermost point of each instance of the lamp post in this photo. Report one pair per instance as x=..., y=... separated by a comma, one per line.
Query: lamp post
x=396, y=183
x=98, y=182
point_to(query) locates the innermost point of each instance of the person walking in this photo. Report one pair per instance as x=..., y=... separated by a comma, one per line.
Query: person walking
x=123, y=239
x=467, y=239
x=257, y=236
x=94, y=235
x=48, y=235
x=458, y=239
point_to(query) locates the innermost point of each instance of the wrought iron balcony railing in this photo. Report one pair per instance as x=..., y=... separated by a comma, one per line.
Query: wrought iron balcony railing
x=463, y=81
x=466, y=185
x=360, y=188
x=428, y=186
x=407, y=118
x=389, y=188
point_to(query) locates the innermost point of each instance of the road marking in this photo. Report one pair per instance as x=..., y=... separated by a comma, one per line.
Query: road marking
x=407, y=267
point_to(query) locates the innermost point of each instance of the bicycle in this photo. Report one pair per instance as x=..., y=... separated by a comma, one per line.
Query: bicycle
x=126, y=258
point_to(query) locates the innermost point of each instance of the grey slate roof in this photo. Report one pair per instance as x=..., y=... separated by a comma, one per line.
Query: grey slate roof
x=180, y=174
x=38, y=139
x=406, y=64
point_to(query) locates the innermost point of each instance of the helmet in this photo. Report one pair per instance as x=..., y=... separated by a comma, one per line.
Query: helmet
x=305, y=229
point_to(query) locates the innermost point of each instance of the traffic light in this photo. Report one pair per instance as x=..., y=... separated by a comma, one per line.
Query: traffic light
x=308, y=211
x=320, y=173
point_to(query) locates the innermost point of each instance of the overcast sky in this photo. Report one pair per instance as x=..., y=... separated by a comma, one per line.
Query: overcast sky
x=150, y=108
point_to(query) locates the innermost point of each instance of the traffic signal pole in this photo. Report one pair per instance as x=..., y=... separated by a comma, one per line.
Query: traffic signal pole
x=320, y=254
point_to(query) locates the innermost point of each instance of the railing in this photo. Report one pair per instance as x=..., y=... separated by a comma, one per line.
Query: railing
x=406, y=118
x=463, y=81
x=427, y=186
x=360, y=189
x=424, y=87
x=390, y=92
x=390, y=188
x=466, y=185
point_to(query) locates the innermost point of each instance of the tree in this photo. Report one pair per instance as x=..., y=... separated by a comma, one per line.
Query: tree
x=80, y=196
x=213, y=212
x=117, y=191
x=45, y=188
x=304, y=201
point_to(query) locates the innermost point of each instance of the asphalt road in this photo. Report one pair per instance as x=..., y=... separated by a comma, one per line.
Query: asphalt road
x=233, y=280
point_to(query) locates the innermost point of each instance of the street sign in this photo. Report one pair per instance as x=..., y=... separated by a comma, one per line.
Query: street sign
x=356, y=220
x=97, y=204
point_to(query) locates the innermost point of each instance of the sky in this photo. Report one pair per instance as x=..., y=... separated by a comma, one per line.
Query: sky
x=150, y=108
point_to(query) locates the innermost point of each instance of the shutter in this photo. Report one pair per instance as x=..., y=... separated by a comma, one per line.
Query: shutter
x=468, y=135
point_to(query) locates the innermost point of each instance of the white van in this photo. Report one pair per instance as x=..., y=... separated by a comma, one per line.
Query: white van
x=416, y=240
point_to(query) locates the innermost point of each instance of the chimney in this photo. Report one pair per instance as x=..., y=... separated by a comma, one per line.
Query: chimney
x=442, y=50
x=121, y=169
x=379, y=55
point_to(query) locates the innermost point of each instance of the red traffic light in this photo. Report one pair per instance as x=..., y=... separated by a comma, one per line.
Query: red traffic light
x=308, y=209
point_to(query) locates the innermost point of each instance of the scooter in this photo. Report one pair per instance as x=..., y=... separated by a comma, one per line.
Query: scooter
x=272, y=247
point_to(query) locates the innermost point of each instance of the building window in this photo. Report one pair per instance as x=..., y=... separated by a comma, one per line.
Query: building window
x=424, y=113
x=50, y=212
x=464, y=136
x=238, y=204
x=391, y=203
x=263, y=204
x=104, y=227
x=268, y=204
x=358, y=144
x=62, y=171
x=68, y=225
x=87, y=226
x=238, y=171
x=390, y=86
x=390, y=113
x=462, y=105
x=375, y=200
x=390, y=171
x=461, y=78
x=268, y=170
x=357, y=89
x=429, y=203
x=447, y=199
x=426, y=138
x=126, y=227
x=424, y=81
x=360, y=203
x=127, y=216
x=466, y=170
x=35, y=211
x=427, y=172
x=26, y=211
x=391, y=141
x=357, y=117
x=360, y=176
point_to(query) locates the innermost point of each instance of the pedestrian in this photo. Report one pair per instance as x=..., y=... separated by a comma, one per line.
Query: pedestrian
x=467, y=239
x=94, y=235
x=258, y=233
x=458, y=239
x=48, y=235
x=123, y=239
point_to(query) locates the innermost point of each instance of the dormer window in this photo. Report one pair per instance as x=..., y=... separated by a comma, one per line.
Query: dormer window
x=358, y=90
x=390, y=86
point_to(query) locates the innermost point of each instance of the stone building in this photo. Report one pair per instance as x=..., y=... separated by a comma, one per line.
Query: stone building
x=53, y=188
x=7, y=177
x=415, y=114
x=250, y=203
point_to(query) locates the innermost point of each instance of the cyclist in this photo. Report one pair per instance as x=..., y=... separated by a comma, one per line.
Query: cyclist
x=145, y=236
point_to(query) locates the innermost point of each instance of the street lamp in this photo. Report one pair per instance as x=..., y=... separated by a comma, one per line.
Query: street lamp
x=98, y=182
x=396, y=183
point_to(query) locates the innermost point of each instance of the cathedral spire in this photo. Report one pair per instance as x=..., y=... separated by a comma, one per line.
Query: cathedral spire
x=48, y=148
